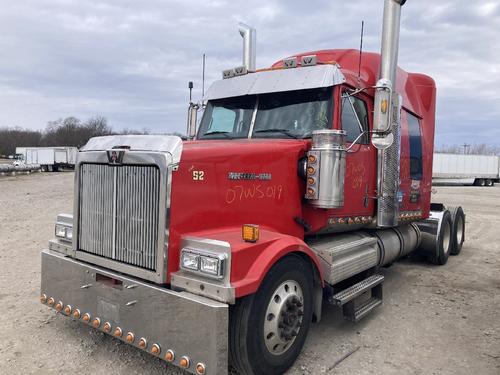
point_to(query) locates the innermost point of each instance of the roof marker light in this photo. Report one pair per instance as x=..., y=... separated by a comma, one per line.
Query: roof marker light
x=290, y=62
x=309, y=60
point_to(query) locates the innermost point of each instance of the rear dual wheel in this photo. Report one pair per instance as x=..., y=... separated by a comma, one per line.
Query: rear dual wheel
x=267, y=330
x=458, y=229
x=444, y=240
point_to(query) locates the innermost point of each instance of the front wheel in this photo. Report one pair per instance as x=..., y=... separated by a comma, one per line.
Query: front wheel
x=267, y=330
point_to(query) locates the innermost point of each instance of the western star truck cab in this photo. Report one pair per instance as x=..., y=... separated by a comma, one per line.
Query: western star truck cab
x=301, y=181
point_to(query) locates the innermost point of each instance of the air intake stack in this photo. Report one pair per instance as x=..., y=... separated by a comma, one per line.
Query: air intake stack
x=387, y=118
x=249, y=35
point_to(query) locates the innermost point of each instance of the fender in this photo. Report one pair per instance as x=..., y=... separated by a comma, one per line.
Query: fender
x=250, y=262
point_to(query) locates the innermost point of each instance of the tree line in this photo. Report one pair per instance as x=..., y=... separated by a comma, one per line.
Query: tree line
x=69, y=131
x=470, y=149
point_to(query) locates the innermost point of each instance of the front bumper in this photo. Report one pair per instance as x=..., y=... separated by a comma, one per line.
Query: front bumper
x=188, y=325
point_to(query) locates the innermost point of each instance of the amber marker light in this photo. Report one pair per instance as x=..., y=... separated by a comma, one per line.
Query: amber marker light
x=384, y=105
x=51, y=301
x=310, y=192
x=107, y=327
x=96, y=323
x=67, y=310
x=250, y=233
x=169, y=355
x=43, y=298
x=77, y=314
x=130, y=337
x=311, y=181
x=200, y=369
x=184, y=362
x=86, y=317
x=311, y=159
x=311, y=170
x=155, y=349
x=143, y=343
x=118, y=332
x=59, y=306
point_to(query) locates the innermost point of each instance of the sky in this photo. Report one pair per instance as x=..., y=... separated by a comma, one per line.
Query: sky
x=130, y=61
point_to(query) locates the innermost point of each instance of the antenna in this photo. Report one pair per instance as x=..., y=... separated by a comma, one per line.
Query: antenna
x=190, y=85
x=361, y=48
x=203, y=79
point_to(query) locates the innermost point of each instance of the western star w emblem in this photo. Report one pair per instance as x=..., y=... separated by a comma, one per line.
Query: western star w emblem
x=115, y=156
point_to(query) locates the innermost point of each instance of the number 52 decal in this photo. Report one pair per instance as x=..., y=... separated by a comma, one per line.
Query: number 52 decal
x=198, y=175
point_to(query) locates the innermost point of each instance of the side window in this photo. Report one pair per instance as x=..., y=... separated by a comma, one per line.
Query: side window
x=355, y=119
x=415, y=137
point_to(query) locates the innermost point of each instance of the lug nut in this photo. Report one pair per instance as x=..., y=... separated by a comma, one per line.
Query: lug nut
x=155, y=349
x=184, y=362
x=118, y=332
x=43, y=298
x=107, y=327
x=169, y=355
x=143, y=343
x=86, y=318
x=96, y=323
x=67, y=310
x=130, y=337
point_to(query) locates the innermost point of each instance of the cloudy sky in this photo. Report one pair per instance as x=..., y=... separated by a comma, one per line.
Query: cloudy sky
x=130, y=61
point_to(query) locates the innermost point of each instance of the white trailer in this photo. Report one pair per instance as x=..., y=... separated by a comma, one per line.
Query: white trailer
x=49, y=158
x=456, y=169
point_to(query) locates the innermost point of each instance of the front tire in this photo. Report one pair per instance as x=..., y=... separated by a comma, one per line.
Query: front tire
x=267, y=330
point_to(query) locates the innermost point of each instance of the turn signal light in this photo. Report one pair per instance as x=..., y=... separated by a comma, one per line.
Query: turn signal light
x=67, y=310
x=250, y=233
x=86, y=318
x=184, y=362
x=200, y=369
x=143, y=343
x=130, y=337
x=118, y=332
x=107, y=327
x=76, y=314
x=43, y=298
x=51, y=301
x=155, y=349
x=384, y=105
x=169, y=355
x=96, y=323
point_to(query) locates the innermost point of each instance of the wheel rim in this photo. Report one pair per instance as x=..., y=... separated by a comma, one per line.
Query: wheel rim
x=446, y=238
x=283, y=318
x=460, y=229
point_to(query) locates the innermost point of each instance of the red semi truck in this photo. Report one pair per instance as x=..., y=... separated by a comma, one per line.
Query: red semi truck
x=302, y=180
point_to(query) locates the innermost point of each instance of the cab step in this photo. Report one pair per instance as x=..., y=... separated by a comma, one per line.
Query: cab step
x=355, y=309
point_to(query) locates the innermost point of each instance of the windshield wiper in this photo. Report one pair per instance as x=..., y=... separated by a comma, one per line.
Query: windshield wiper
x=282, y=131
x=225, y=134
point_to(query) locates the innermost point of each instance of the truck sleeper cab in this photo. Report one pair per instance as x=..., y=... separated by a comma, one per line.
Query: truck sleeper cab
x=221, y=249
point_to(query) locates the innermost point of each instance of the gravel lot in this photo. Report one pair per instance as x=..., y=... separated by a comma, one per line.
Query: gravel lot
x=434, y=320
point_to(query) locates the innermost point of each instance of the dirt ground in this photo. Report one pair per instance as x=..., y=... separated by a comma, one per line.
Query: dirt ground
x=434, y=320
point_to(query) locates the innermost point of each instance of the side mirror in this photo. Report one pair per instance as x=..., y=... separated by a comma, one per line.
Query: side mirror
x=192, y=118
x=386, y=114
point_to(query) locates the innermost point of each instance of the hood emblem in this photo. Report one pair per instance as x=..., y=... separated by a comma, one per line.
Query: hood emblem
x=115, y=157
x=249, y=176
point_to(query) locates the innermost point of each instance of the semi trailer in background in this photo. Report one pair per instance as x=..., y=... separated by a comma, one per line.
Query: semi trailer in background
x=458, y=169
x=50, y=159
x=303, y=180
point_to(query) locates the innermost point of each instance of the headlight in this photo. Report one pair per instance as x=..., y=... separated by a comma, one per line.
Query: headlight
x=69, y=233
x=206, y=264
x=60, y=231
x=190, y=261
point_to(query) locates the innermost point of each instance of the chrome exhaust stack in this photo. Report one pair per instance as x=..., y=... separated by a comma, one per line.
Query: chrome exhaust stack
x=249, y=35
x=387, y=118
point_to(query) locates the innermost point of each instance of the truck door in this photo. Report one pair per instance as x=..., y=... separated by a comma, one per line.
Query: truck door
x=360, y=160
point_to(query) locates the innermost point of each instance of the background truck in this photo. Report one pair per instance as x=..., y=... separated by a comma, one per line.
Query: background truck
x=302, y=180
x=49, y=158
x=478, y=170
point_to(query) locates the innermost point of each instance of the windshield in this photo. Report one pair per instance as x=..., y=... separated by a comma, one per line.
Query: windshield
x=292, y=114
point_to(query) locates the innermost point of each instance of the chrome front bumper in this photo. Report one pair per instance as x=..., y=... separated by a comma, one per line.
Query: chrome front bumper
x=188, y=325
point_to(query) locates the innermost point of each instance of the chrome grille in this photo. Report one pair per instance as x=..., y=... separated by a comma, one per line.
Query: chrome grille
x=118, y=212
